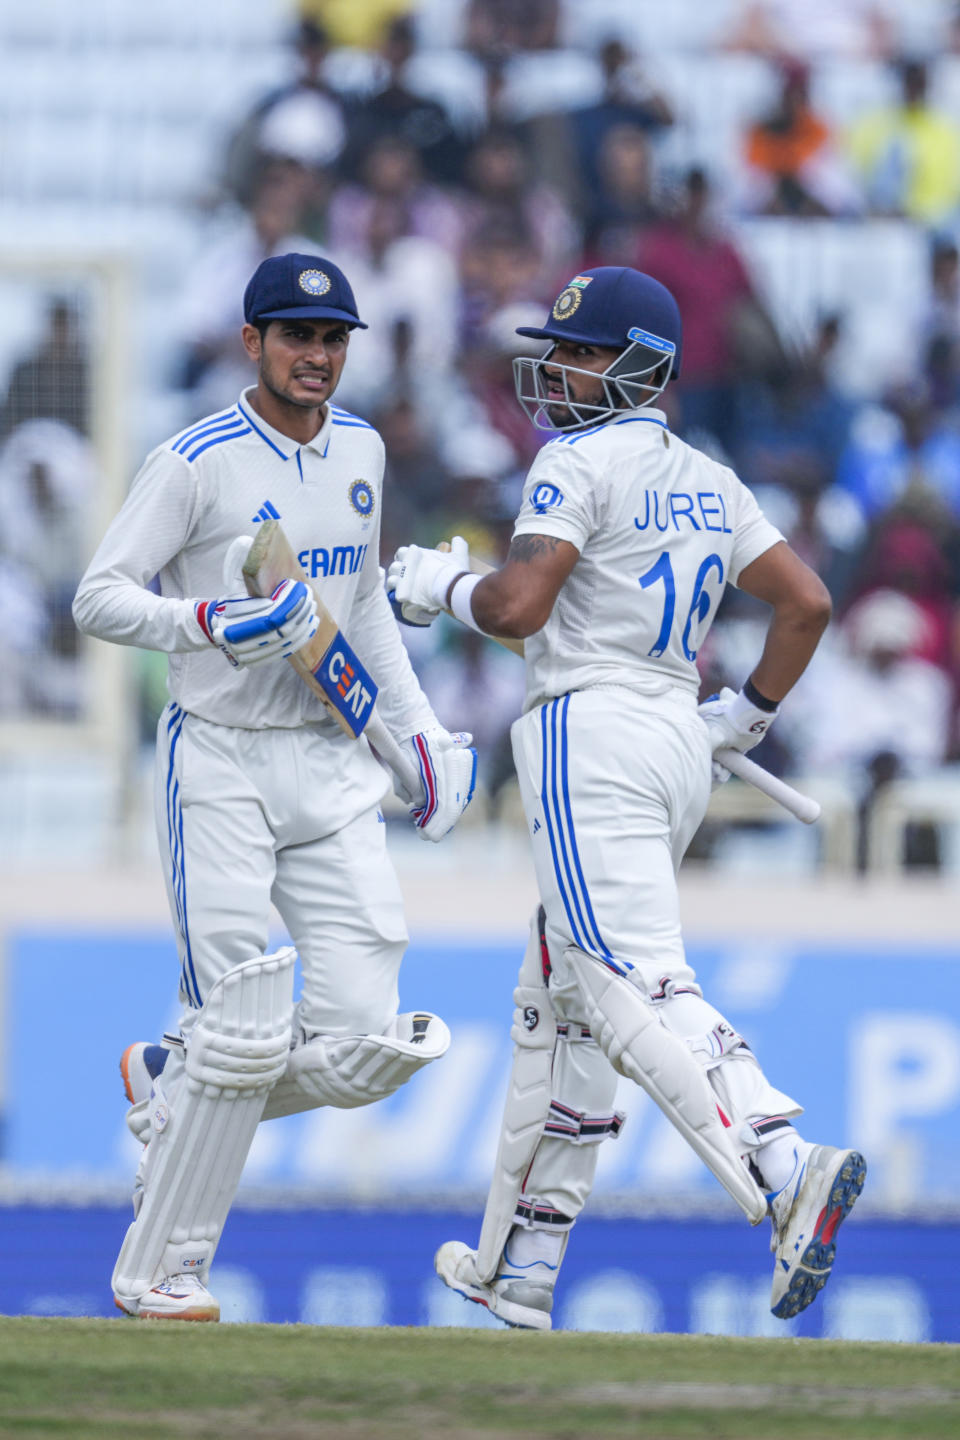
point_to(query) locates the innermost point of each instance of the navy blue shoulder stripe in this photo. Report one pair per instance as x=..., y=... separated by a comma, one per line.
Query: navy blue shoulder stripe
x=223, y=417
x=217, y=440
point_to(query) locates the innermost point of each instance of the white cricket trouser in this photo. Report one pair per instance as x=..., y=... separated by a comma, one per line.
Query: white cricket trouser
x=614, y=786
x=249, y=817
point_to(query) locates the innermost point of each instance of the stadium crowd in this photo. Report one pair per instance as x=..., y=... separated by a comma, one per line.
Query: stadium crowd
x=456, y=224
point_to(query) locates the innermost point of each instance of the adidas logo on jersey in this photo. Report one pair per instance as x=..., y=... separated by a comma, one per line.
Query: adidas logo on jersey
x=267, y=511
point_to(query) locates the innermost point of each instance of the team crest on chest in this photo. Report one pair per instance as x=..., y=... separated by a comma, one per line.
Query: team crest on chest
x=361, y=498
x=568, y=301
x=315, y=282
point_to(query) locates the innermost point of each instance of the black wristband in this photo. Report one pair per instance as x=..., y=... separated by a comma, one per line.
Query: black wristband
x=762, y=703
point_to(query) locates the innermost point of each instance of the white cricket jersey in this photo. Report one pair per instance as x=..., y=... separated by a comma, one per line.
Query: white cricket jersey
x=194, y=495
x=661, y=530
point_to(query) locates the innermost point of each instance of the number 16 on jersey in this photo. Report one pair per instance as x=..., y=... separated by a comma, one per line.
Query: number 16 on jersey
x=702, y=601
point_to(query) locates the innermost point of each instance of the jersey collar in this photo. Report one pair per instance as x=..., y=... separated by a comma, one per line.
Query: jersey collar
x=643, y=412
x=282, y=444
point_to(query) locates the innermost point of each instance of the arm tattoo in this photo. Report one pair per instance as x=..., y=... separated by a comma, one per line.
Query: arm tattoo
x=528, y=547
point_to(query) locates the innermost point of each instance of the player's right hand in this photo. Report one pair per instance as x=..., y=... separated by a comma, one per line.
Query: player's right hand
x=418, y=580
x=249, y=629
x=732, y=721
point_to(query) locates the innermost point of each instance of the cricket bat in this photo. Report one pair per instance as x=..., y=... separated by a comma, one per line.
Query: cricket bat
x=803, y=807
x=327, y=664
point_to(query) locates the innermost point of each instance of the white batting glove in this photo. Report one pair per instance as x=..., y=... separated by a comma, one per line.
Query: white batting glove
x=249, y=629
x=418, y=580
x=733, y=721
x=448, y=772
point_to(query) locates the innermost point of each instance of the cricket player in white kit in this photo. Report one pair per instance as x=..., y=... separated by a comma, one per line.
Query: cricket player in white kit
x=625, y=540
x=260, y=796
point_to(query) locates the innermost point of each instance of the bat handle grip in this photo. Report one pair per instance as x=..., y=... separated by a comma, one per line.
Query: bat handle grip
x=394, y=755
x=804, y=807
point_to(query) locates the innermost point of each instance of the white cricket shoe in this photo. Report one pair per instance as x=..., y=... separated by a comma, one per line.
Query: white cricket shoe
x=806, y=1215
x=518, y=1300
x=175, y=1297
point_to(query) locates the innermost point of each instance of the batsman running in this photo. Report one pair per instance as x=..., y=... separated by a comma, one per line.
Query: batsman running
x=260, y=795
x=625, y=540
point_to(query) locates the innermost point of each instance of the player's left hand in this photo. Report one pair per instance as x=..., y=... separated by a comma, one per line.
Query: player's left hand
x=733, y=721
x=418, y=580
x=448, y=772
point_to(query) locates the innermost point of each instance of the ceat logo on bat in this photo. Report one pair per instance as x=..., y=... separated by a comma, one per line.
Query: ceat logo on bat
x=348, y=686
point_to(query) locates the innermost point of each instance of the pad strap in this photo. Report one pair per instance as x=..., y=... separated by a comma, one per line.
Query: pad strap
x=581, y=1129
x=535, y=1214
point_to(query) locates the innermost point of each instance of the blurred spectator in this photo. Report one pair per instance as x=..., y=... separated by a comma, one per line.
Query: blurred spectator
x=406, y=290
x=911, y=558
x=416, y=485
x=303, y=121
x=909, y=154
x=53, y=383
x=500, y=265
x=488, y=398
x=629, y=98
x=214, y=365
x=470, y=675
x=812, y=29
x=799, y=419
x=622, y=205
x=392, y=174
x=940, y=326
x=504, y=192
x=361, y=25
x=47, y=479
x=868, y=710
x=903, y=454
x=493, y=29
x=793, y=167
x=396, y=111
x=727, y=334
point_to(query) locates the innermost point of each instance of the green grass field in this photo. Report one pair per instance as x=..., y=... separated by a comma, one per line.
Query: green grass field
x=97, y=1379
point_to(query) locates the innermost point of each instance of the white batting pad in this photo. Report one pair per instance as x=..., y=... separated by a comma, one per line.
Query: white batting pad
x=351, y=1070
x=732, y=1069
x=525, y=1111
x=237, y=1050
x=628, y=1031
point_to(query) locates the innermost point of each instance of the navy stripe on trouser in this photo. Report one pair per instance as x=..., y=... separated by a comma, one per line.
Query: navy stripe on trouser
x=558, y=814
x=178, y=873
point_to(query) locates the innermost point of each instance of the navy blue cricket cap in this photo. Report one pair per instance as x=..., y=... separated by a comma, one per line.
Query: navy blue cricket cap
x=614, y=306
x=299, y=287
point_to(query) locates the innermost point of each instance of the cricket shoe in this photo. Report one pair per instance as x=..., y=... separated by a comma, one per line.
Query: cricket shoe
x=806, y=1215
x=140, y=1064
x=517, y=1299
x=175, y=1297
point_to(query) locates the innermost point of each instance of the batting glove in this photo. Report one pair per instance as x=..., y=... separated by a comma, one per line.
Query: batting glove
x=418, y=580
x=249, y=629
x=733, y=722
x=448, y=772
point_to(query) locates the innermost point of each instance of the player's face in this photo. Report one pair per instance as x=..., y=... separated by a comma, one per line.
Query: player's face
x=300, y=361
x=581, y=389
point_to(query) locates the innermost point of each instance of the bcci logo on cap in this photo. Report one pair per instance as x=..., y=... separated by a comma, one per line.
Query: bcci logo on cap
x=568, y=301
x=315, y=282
